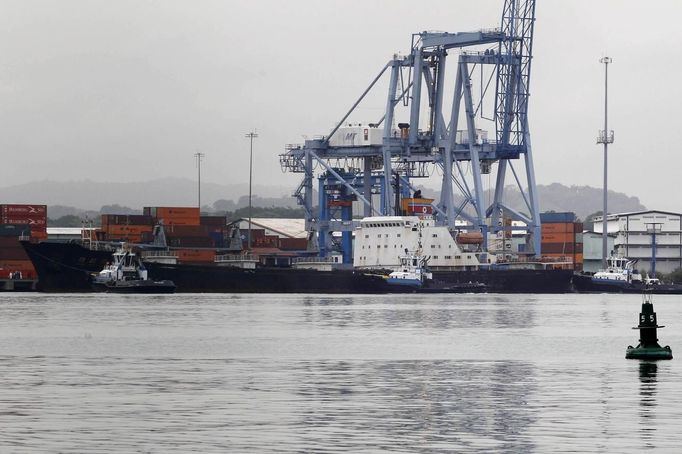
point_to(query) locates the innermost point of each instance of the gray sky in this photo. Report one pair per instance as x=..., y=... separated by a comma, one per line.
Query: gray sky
x=129, y=90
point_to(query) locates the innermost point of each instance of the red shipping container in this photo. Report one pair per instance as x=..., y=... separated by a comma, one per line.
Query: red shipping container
x=293, y=244
x=19, y=219
x=30, y=210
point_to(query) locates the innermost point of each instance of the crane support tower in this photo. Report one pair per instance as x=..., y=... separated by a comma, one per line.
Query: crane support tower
x=373, y=164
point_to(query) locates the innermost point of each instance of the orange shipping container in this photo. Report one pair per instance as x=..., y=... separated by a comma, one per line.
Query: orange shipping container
x=180, y=220
x=171, y=212
x=39, y=234
x=195, y=255
x=579, y=258
x=113, y=229
x=558, y=228
x=558, y=237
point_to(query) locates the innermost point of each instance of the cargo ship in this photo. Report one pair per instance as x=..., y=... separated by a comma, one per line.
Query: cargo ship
x=224, y=267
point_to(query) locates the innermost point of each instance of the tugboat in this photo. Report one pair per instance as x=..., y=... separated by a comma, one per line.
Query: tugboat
x=620, y=276
x=412, y=272
x=413, y=275
x=127, y=274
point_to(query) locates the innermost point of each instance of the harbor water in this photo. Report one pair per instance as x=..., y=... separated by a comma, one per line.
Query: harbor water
x=300, y=373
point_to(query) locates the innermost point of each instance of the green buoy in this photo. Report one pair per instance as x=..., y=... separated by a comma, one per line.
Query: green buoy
x=648, y=347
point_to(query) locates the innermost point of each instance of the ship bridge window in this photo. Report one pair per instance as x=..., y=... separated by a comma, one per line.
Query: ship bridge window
x=435, y=235
x=366, y=236
x=447, y=257
x=398, y=235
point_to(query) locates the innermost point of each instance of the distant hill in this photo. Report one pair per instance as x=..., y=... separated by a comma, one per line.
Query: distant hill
x=71, y=197
x=90, y=195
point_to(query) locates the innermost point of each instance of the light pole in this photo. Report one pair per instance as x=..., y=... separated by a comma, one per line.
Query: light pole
x=605, y=137
x=653, y=228
x=199, y=157
x=252, y=135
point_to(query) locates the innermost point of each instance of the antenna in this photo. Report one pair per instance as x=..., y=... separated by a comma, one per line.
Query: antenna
x=199, y=157
x=252, y=135
x=605, y=137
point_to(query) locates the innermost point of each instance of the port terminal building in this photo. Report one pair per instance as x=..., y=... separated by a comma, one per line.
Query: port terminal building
x=653, y=238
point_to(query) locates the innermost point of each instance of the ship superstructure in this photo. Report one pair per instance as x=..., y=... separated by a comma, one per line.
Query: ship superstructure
x=381, y=240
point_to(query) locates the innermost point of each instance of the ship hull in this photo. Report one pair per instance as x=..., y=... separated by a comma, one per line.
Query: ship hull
x=512, y=280
x=68, y=267
x=584, y=283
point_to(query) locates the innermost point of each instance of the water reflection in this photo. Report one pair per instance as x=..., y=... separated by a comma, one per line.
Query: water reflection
x=427, y=405
x=442, y=315
x=648, y=371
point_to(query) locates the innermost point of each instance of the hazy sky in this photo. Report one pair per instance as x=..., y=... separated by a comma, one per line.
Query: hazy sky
x=123, y=90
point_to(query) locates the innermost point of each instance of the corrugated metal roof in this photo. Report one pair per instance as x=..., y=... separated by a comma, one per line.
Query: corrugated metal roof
x=64, y=230
x=290, y=228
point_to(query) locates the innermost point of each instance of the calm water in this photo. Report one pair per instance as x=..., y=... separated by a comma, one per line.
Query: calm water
x=296, y=373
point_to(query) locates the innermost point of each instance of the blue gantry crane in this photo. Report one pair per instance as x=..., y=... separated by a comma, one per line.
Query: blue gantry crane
x=491, y=86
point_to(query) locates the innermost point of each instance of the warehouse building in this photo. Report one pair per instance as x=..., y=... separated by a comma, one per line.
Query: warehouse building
x=646, y=236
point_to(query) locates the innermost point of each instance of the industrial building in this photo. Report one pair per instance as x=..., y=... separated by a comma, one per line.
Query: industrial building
x=652, y=237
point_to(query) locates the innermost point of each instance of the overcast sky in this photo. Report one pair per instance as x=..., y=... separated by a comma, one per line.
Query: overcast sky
x=129, y=90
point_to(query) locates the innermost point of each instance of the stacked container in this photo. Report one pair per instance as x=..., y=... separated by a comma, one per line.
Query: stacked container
x=193, y=238
x=562, y=238
x=175, y=215
x=35, y=216
x=126, y=227
x=20, y=221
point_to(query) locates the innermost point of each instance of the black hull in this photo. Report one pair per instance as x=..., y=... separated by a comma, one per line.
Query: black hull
x=583, y=283
x=512, y=280
x=136, y=286
x=64, y=267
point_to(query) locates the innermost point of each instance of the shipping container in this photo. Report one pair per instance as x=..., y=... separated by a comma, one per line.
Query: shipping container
x=293, y=244
x=195, y=255
x=213, y=221
x=177, y=212
x=557, y=248
x=116, y=229
x=39, y=235
x=558, y=227
x=15, y=230
x=188, y=230
x=29, y=210
x=21, y=219
x=179, y=221
x=25, y=267
x=126, y=219
x=558, y=238
x=564, y=217
x=190, y=241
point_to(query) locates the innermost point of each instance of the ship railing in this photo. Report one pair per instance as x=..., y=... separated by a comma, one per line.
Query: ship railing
x=296, y=260
x=23, y=237
x=235, y=258
x=148, y=254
